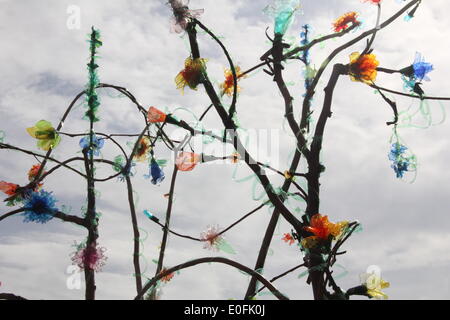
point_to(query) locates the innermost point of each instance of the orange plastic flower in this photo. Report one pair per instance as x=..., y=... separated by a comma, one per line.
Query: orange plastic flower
x=288, y=238
x=227, y=86
x=143, y=148
x=343, y=21
x=322, y=228
x=168, y=277
x=186, y=161
x=8, y=188
x=363, y=67
x=32, y=173
x=235, y=157
x=192, y=73
x=154, y=115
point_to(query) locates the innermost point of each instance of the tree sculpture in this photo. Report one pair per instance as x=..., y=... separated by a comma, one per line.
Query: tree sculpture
x=319, y=239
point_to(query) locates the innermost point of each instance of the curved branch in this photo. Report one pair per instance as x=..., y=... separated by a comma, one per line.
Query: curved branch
x=226, y=261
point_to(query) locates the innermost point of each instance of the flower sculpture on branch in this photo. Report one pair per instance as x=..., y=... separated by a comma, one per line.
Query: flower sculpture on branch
x=192, y=74
x=46, y=135
x=363, y=67
x=344, y=21
x=90, y=257
x=182, y=15
x=39, y=207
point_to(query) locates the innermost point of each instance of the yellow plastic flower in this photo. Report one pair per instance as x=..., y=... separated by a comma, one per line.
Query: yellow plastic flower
x=363, y=67
x=227, y=86
x=192, y=73
x=46, y=135
x=375, y=284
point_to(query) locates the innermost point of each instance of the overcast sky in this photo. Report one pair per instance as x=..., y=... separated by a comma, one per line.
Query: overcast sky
x=43, y=66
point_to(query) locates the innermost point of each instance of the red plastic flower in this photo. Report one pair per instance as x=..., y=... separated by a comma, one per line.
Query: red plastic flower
x=343, y=21
x=192, y=73
x=154, y=115
x=373, y=1
x=168, y=277
x=288, y=238
x=8, y=188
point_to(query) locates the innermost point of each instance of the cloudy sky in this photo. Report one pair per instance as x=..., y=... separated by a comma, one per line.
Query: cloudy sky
x=405, y=225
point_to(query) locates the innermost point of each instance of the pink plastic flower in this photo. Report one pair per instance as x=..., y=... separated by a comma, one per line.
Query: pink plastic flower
x=211, y=238
x=92, y=257
x=186, y=161
x=182, y=14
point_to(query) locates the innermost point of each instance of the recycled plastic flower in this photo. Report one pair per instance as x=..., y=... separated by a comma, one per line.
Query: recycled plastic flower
x=342, y=23
x=143, y=148
x=374, y=284
x=182, y=14
x=192, y=74
x=227, y=86
x=418, y=70
x=156, y=174
x=323, y=230
x=373, y=1
x=92, y=257
x=168, y=277
x=186, y=161
x=401, y=163
x=288, y=238
x=97, y=144
x=8, y=188
x=154, y=115
x=363, y=67
x=39, y=207
x=46, y=135
x=283, y=11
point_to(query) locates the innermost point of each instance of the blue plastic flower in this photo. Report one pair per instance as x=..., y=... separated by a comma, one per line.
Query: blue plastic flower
x=283, y=11
x=39, y=207
x=97, y=144
x=421, y=68
x=156, y=174
x=400, y=161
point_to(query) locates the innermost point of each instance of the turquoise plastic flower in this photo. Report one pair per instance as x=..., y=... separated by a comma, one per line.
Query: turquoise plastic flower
x=283, y=11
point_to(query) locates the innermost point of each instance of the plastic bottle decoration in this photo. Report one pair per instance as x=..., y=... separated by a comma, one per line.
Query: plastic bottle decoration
x=92, y=98
x=46, y=135
x=283, y=11
x=156, y=174
x=214, y=241
x=39, y=207
x=154, y=115
x=363, y=68
x=344, y=21
x=401, y=162
x=227, y=86
x=374, y=284
x=322, y=230
x=192, y=74
x=143, y=149
x=97, y=144
x=8, y=188
x=182, y=15
x=92, y=257
x=186, y=161
x=287, y=237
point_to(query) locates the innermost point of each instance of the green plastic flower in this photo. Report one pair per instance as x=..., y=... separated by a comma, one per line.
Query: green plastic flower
x=283, y=11
x=46, y=135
